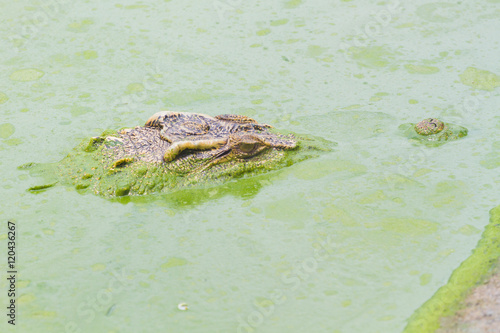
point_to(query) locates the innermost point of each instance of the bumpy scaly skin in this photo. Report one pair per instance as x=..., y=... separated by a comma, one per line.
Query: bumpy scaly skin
x=201, y=132
x=429, y=126
x=176, y=149
x=434, y=131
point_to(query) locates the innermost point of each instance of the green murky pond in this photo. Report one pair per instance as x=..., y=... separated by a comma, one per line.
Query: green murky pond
x=353, y=241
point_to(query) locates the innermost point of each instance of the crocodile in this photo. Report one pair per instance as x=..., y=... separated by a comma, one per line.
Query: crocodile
x=176, y=150
x=434, y=131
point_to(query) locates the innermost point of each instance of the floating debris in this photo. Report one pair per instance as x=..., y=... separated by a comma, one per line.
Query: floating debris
x=182, y=306
x=110, y=310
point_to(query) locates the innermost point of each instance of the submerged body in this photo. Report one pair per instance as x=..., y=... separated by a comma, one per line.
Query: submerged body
x=176, y=149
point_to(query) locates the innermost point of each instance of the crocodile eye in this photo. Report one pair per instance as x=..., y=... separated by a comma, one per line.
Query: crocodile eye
x=247, y=147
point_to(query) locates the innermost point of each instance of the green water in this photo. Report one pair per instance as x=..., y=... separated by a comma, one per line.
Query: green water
x=353, y=241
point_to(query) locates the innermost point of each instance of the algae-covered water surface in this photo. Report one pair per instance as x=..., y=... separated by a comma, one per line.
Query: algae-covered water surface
x=354, y=240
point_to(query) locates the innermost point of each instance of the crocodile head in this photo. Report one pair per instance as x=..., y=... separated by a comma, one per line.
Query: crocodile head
x=179, y=149
x=429, y=126
x=433, y=132
x=208, y=147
